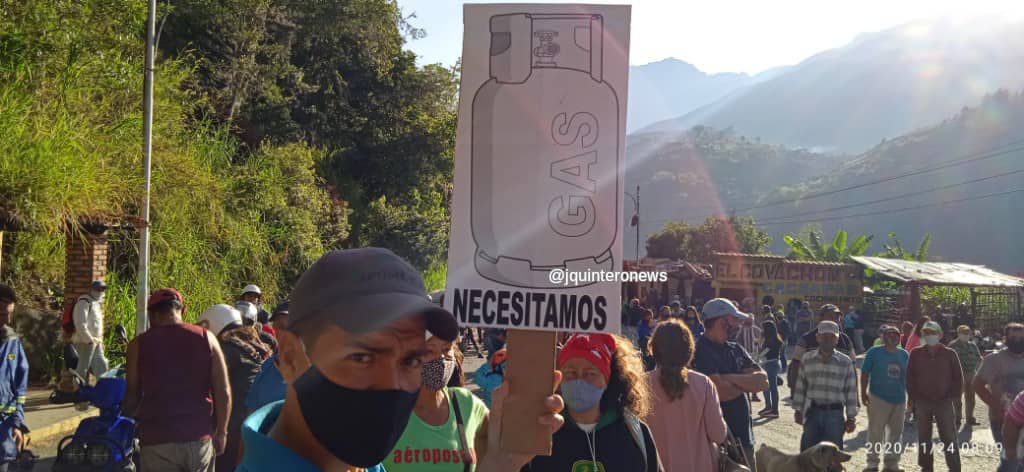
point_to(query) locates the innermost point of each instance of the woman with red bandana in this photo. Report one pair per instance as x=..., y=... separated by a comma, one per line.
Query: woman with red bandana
x=605, y=394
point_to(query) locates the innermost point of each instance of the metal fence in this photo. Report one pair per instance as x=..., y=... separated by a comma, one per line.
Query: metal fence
x=990, y=308
x=994, y=307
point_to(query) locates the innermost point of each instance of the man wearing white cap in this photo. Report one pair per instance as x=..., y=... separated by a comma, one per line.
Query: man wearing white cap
x=883, y=381
x=826, y=385
x=934, y=381
x=88, y=335
x=252, y=294
x=730, y=368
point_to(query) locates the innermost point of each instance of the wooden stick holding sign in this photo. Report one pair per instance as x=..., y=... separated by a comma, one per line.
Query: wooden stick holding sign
x=538, y=199
x=528, y=373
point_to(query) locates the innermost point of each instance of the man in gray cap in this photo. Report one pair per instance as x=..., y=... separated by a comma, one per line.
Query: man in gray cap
x=351, y=356
x=88, y=335
x=730, y=368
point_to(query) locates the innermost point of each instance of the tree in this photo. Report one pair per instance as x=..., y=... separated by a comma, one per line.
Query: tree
x=334, y=76
x=671, y=242
x=812, y=249
x=678, y=240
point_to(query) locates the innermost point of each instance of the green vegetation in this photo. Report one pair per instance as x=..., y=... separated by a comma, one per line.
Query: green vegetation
x=680, y=241
x=895, y=250
x=282, y=129
x=811, y=249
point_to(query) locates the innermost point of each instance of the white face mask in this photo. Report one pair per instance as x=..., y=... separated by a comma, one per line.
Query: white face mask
x=97, y=295
x=931, y=339
x=963, y=337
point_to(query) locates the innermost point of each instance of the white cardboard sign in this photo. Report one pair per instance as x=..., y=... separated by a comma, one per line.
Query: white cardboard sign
x=538, y=167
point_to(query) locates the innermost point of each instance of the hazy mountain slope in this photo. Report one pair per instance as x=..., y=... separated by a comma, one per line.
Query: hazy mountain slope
x=670, y=87
x=881, y=85
x=986, y=231
x=696, y=173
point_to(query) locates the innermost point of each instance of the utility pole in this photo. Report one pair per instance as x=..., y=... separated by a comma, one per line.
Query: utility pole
x=635, y=220
x=637, y=213
x=141, y=321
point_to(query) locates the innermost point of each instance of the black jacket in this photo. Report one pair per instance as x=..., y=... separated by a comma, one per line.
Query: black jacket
x=616, y=448
x=244, y=358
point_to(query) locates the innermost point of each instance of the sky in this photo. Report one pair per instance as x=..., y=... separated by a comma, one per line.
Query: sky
x=724, y=35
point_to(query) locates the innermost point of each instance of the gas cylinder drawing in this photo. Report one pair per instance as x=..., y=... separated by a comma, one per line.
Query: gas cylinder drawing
x=545, y=152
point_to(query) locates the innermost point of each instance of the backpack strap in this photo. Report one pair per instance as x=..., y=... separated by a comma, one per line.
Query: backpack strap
x=636, y=430
x=463, y=442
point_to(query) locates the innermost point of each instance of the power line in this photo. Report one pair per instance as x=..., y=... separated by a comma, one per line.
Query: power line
x=945, y=165
x=897, y=210
x=896, y=197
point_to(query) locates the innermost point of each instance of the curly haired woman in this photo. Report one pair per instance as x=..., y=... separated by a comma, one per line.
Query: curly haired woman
x=605, y=395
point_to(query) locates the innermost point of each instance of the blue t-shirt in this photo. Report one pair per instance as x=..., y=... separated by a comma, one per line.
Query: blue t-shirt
x=696, y=328
x=729, y=358
x=265, y=454
x=643, y=330
x=887, y=373
x=268, y=387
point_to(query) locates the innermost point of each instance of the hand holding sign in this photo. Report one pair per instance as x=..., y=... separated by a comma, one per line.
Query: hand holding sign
x=495, y=458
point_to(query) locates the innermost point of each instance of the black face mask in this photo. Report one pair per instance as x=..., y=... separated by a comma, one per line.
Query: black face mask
x=1015, y=346
x=733, y=331
x=359, y=427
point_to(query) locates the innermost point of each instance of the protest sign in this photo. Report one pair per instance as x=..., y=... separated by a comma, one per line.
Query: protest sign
x=538, y=167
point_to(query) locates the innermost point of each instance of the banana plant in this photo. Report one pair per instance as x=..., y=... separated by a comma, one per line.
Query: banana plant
x=838, y=251
x=896, y=251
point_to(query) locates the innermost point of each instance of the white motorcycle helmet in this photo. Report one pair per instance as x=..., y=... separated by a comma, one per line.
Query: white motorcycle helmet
x=218, y=317
x=248, y=311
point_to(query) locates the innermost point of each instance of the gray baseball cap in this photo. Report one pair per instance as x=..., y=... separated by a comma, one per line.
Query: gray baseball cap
x=718, y=307
x=364, y=290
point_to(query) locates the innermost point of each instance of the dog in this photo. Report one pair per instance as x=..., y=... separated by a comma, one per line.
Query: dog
x=821, y=457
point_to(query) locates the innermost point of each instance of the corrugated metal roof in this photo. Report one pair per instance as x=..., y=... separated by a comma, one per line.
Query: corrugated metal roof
x=939, y=273
x=740, y=254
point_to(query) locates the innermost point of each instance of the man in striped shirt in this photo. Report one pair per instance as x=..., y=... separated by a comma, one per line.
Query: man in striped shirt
x=826, y=385
x=1012, y=425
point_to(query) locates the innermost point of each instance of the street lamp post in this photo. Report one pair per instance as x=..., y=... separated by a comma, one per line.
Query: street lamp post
x=635, y=221
x=141, y=322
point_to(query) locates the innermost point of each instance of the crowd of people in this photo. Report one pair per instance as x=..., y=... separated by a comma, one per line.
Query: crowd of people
x=360, y=370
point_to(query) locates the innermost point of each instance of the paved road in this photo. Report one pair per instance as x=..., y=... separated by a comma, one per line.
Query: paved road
x=978, y=448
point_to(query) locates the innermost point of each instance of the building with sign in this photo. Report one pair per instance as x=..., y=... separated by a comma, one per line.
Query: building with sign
x=753, y=277
x=689, y=282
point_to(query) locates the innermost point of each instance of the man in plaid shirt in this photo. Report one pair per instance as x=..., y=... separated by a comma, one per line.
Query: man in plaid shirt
x=827, y=384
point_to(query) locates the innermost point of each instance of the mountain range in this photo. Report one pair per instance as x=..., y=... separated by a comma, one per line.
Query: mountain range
x=882, y=84
x=669, y=88
x=913, y=99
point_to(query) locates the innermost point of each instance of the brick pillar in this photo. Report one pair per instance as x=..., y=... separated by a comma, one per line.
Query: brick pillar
x=85, y=261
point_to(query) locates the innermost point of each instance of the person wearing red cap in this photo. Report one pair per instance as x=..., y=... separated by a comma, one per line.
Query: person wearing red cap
x=605, y=394
x=177, y=389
